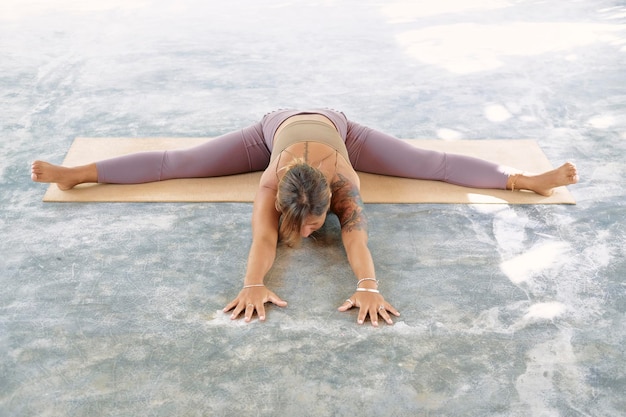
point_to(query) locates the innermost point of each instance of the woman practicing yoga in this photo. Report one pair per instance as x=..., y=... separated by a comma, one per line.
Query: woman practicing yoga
x=309, y=159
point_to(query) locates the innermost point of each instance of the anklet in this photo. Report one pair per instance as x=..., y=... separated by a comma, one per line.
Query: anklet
x=514, y=178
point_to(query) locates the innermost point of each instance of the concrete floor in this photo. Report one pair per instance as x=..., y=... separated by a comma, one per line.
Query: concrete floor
x=115, y=309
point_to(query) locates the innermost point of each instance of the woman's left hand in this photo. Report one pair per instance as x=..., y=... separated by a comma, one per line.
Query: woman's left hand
x=372, y=304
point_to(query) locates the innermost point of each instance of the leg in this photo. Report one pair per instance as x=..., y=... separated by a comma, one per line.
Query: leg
x=378, y=153
x=233, y=153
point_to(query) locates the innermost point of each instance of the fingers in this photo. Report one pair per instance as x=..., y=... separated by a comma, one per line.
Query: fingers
x=372, y=307
x=238, y=309
x=249, y=311
x=230, y=305
x=362, y=314
x=392, y=310
x=347, y=305
x=274, y=299
x=261, y=312
x=248, y=305
x=382, y=310
x=374, y=311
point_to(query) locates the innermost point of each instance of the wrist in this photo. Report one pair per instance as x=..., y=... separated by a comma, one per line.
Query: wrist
x=369, y=283
x=253, y=285
x=367, y=290
x=253, y=282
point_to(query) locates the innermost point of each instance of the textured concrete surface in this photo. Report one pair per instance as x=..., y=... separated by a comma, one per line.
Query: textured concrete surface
x=115, y=309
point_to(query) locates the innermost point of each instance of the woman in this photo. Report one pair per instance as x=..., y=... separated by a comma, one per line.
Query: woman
x=309, y=159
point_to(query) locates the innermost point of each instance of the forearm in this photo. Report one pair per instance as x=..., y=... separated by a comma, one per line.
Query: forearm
x=366, y=297
x=253, y=296
x=360, y=258
x=260, y=260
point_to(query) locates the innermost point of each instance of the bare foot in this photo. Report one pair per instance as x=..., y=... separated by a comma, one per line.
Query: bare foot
x=544, y=184
x=65, y=178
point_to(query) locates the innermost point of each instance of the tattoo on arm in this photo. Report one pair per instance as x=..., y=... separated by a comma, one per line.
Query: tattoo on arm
x=348, y=205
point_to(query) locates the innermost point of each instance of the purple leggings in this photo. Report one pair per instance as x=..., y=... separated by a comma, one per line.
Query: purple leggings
x=249, y=150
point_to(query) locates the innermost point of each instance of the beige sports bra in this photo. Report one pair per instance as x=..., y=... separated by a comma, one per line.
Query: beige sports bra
x=307, y=130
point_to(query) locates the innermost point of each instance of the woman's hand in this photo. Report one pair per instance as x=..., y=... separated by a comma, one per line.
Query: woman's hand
x=253, y=299
x=370, y=303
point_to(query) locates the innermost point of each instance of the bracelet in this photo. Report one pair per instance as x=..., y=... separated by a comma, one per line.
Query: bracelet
x=514, y=180
x=366, y=279
x=367, y=290
x=253, y=285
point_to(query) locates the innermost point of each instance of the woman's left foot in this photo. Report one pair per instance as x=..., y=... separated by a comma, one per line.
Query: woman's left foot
x=46, y=172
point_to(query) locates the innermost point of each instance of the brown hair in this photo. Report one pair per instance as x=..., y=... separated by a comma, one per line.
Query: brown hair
x=303, y=191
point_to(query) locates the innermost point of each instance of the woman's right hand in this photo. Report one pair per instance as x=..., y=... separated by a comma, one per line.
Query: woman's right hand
x=253, y=299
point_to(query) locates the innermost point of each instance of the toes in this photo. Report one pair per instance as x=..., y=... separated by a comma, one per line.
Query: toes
x=35, y=170
x=572, y=168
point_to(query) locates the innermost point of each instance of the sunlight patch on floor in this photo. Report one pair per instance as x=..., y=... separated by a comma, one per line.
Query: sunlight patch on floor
x=469, y=47
x=18, y=9
x=407, y=10
x=522, y=268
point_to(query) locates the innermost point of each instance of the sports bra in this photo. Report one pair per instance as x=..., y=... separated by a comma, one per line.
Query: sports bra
x=308, y=131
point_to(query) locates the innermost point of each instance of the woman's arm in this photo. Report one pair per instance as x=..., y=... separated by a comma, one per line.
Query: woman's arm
x=348, y=205
x=265, y=220
x=254, y=295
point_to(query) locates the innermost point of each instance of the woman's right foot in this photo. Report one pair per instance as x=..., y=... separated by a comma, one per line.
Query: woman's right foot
x=544, y=184
x=65, y=178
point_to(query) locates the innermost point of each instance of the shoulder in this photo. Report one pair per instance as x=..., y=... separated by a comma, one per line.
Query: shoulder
x=265, y=197
x=346, y=202
x=269, y=178
x=265, y=216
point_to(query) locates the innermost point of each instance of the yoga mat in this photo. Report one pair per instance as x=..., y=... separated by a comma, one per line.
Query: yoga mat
x=522, y=154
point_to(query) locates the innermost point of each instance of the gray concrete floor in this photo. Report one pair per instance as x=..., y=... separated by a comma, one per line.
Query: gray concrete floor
x=115, y=309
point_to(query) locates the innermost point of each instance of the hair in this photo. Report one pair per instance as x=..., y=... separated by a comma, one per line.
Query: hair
x=303, y=191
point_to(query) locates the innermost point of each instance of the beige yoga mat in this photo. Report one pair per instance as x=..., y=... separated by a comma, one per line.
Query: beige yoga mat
x=522, y=154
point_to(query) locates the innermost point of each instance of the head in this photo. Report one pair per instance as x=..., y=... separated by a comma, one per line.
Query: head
x=303, y=198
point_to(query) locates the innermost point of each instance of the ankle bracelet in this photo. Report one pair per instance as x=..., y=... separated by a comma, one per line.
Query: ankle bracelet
x=514, y=178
